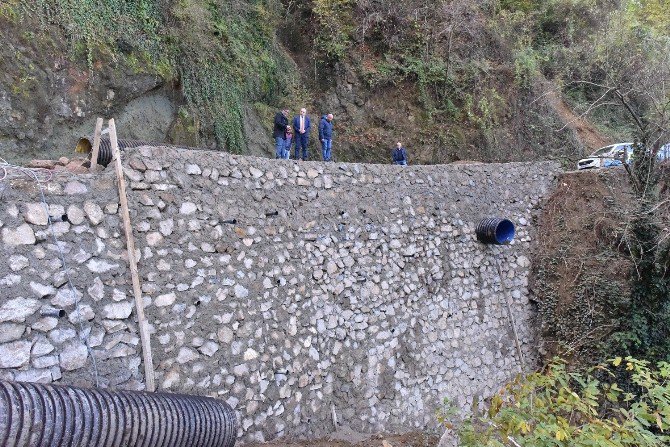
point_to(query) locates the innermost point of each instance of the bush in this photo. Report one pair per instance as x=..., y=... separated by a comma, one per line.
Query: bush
x=577, y=409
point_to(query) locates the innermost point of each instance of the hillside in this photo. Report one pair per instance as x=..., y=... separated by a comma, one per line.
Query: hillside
x=454, y=80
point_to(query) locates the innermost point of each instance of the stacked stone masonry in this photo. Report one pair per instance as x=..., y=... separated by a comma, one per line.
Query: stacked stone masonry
x=294, y=291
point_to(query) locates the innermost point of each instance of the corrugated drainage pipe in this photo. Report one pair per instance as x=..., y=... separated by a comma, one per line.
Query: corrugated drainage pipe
x=85, y=146
x=36, y=415
x=495, y=231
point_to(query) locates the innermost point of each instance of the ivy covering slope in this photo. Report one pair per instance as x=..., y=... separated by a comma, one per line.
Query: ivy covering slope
x=223, y=54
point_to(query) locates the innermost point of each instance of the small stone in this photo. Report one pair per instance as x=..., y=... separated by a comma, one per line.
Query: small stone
x=18, y=309
x=35, y=214
x=241, y=370
x=250, y=354
x=94, y=212
x=165, y=300
x=225, y=335
x=209, y=348
x=75, y=188
x=34, y=376
x=186, y=355
x=241, y=291
x=10, y=280
x=18, y=263
x=45, y=361
x=312, y=173
x=42, y=347
x=112, y=208
x=45, y=324
x=75, y=215
x=73, y=356
x=100, y=266
x=65, y=298
x=81, y=313
x=255, y=172
x=171, y=379
x=166, y=227
x=23, y=235
x=188, y=208
x=97, y=289
x=117, y=311
x=331, y=268
x=193, y=169
x=11, y=332
x=15, y=354
x=153, y=239
x=41, y=290
x=60, y=336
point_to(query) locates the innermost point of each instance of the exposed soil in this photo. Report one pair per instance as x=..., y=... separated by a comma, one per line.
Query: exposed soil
x=580, y=266
x=586, y=132
x=355, y=440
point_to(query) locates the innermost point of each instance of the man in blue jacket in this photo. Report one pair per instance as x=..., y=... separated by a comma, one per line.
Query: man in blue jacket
x=301, y=125
x=400, y=155
x=326, y=136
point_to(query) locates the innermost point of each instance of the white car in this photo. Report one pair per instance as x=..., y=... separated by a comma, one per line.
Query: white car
x=612, y=155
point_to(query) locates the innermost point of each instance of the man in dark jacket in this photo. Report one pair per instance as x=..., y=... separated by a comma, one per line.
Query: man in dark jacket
x=326, y=136
x=279, y=132
x=301, y=125
x=400, y=155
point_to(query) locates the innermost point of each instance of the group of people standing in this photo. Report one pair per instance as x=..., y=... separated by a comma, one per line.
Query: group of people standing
x=297, y=134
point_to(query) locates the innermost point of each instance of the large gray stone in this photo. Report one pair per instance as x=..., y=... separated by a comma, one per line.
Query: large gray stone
x=94, y=212
x=18, y=263
x=117, y=311
x=15, y=354
x=165, y=300
x=41, y=290
x=18, y=309
x=11, y=332
x=34, y=213
x=22, y=235
x=73, y=356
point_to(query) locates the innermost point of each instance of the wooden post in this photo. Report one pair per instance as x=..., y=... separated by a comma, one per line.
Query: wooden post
x=130, y=244
x=96, y=144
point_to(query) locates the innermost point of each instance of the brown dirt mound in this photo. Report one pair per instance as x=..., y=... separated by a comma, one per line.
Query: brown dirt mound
x=581, y=273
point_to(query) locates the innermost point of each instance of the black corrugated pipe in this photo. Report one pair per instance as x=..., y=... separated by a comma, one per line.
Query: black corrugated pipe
x=85, y=146
x=37, y=415
x=495, y=231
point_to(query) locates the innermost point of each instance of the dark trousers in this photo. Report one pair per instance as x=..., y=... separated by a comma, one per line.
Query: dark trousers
x=301, y=140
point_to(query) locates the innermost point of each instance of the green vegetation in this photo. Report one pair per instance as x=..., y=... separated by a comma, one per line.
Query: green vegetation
x=572, y=409
x=224, y=54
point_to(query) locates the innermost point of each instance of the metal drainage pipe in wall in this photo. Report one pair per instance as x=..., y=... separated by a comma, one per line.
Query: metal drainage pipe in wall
x=105, y=154
x=37, y=415
x=495, y=231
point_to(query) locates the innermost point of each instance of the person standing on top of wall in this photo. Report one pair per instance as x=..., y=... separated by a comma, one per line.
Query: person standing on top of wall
x=301, y=125
x=400, y=155
x=279, y=132
x=326, y=136
x=286, y=151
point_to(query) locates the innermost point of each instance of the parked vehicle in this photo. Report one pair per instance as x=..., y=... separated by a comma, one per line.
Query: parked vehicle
x=663, y=154
x=605, y=157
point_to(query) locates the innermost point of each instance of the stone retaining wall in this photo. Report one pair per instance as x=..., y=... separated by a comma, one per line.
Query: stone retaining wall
x=294, y=291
